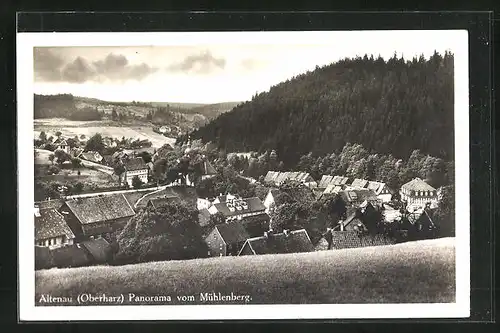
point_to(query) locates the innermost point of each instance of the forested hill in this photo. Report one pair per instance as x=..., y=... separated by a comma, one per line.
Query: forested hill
x=392, y=106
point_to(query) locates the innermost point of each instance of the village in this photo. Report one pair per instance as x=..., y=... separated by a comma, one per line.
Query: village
x=79, y=228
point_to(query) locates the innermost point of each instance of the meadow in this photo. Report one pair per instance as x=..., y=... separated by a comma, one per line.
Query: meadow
x=413, y=272
x=106, y=128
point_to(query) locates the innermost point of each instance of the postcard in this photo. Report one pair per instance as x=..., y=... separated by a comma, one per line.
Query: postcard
x=243, y=175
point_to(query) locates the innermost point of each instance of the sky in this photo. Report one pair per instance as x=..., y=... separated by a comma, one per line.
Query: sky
x=210, y=70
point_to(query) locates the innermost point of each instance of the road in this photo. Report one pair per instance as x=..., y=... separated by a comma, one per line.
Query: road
x=86, y=195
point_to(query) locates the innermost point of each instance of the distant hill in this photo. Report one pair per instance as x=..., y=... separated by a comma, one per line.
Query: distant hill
x=212, y=111
x=390, y=107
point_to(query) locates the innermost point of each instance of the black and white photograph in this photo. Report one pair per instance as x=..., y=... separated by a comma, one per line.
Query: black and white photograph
x=243, y=175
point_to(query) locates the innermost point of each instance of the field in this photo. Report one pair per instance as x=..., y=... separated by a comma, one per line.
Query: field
x=106, y=128
x=67, y=174
x=411, y=272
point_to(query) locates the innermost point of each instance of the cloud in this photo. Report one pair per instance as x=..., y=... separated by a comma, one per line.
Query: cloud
x=51, y=67
x=47, y=65
x=202, y=63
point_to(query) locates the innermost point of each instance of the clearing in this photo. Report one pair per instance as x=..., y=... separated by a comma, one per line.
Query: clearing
x=420, y=272
x=71, y=128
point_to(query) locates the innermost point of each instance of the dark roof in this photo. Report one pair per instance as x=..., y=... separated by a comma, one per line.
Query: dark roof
x=164, y=201
x=352, y=239
x=99, y=249
x=233, y=232
x=51, y=224
x=256, y=225
x=43, y=257
x=186, y=193
x=100, y=208
x=54, y=203
x=135, y=164
x=70, y=256
x=418, y=184
x=358, y=195
x=208, y=169
x=254, y=205
x=296, y=241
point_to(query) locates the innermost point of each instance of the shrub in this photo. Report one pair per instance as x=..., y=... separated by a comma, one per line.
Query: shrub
x=136, y=182
x=53, y=170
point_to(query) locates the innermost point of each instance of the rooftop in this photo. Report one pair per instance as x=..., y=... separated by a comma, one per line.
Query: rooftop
x=100, y=208
x=240, y=206
x=51, y=224
x=135, y=164
x=292, y=242
x=233, y=232
x=418, y=184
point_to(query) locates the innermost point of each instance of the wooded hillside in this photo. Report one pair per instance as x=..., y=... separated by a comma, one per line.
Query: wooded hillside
x=393, y=106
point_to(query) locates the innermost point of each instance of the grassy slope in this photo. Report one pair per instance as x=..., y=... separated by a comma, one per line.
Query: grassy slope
x=412, y=272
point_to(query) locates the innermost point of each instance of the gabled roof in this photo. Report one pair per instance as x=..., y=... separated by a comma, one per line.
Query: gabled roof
x=360, y=183
x=51, y=224
x=254, y=205
x=352, y=239
x=358, y=195
x=376, y=187
x=295, y=241
x=100, y=208
x=418, y=184
x=233, y=232
x=340, y=180
x=70, y=256
x=164, y=201
x=92, y=156
x=135, y=164
x=61, y=141
x=99, y=249
x=280, y=177
x=325, y=181
x=332, y=189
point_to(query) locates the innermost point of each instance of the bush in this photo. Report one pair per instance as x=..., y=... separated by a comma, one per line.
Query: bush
x=53, y=170
x=136, y=182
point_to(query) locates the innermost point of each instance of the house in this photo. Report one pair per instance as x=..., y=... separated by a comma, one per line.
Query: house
x=359, y=183
x=87, y=253
x=159, y=202
x=96, y=216
x=270, y=200
x=226, y=239
x=70, y=256
x=353, y=222
x=99, y=250
x=327, y=180
x=383, y=192
x=207, y=171
x=278, y=178
x=51, y=229
x=336, y=240
x=355, y=197
x=76, y=152
x=62, y=144
x=285, y=242
x=92, y=156
x=135, y=167
x=236, y=209
x=225, y=197
x=417, y=193
x=202, y=203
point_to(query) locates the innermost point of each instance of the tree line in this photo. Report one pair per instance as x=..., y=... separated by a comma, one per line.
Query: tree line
x=390, y=107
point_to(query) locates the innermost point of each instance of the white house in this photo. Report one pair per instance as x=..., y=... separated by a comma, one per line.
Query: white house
x=51, y=229
x=270, y=200
x=135, y=167
x=62, y=144
x=237, y=208
x=417, y=193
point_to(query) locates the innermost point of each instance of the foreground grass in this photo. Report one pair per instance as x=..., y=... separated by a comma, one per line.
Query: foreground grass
x=411, y=272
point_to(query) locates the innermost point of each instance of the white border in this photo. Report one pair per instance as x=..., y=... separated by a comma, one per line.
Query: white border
x=25, y=78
